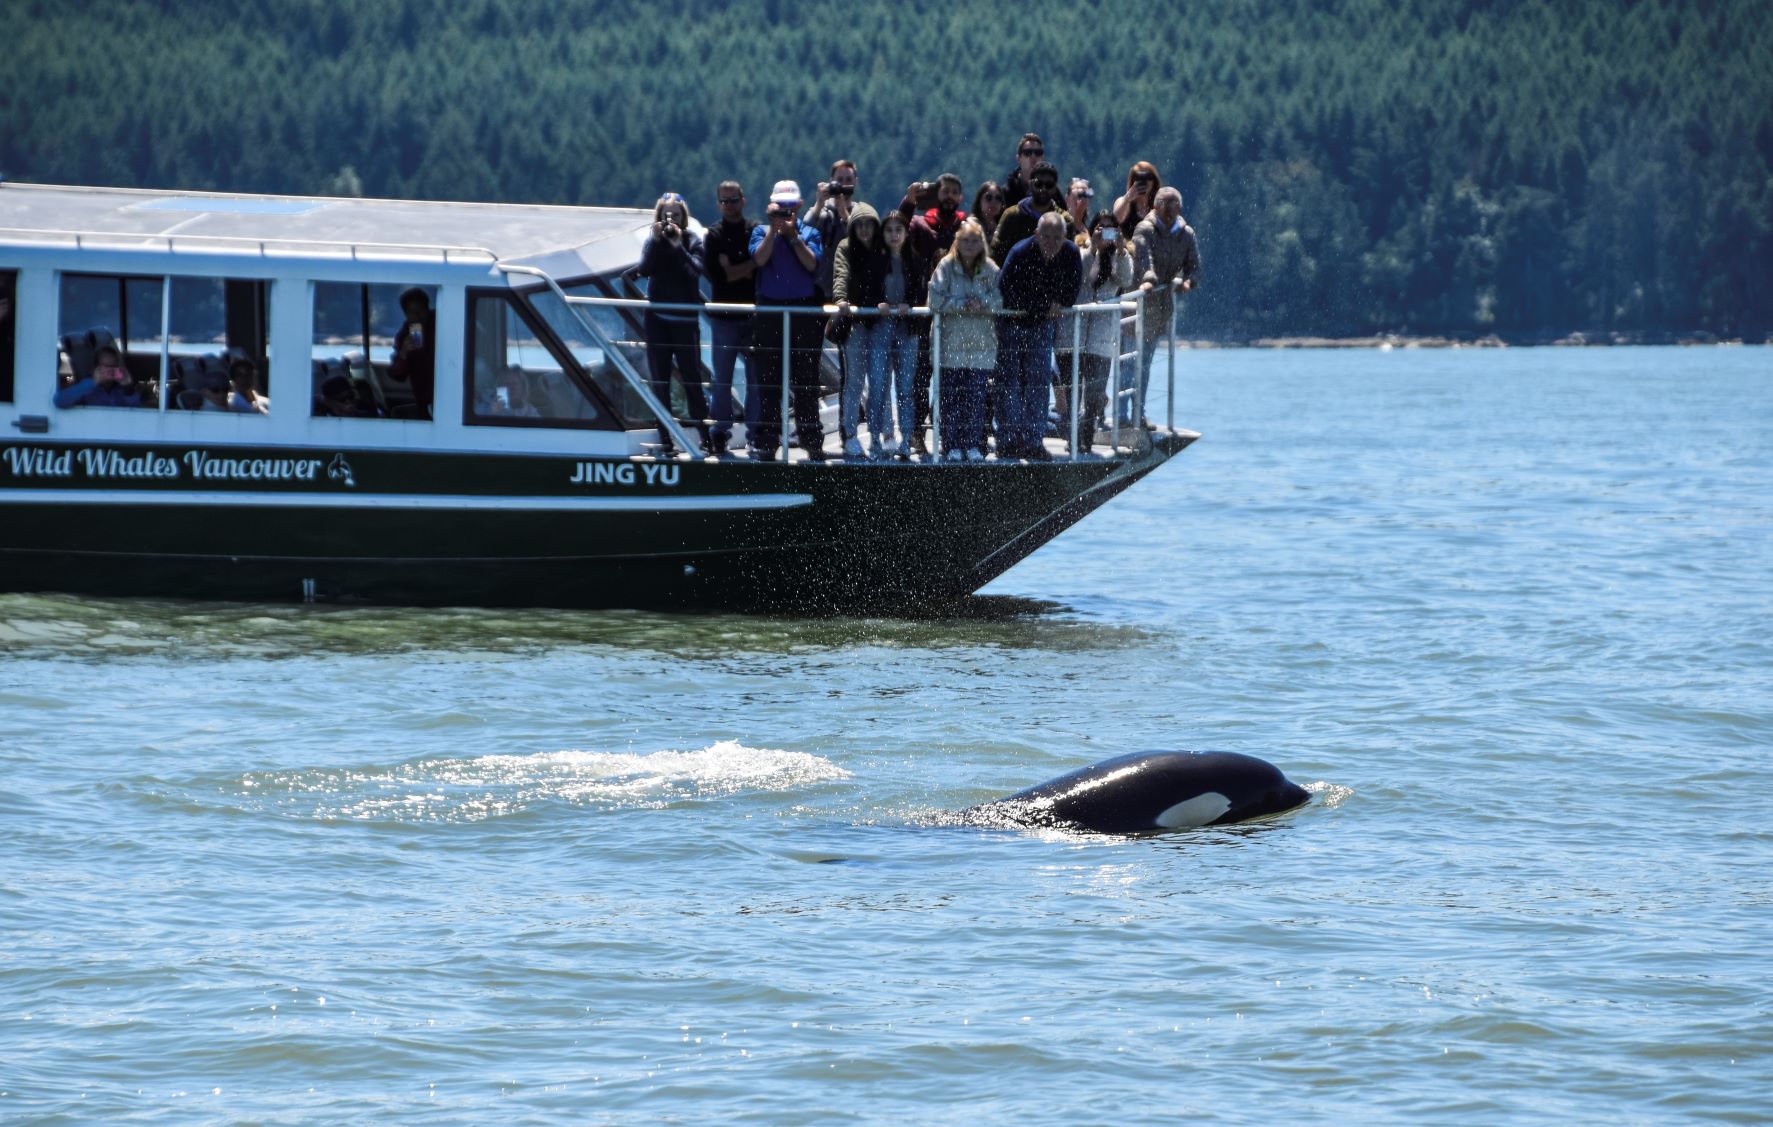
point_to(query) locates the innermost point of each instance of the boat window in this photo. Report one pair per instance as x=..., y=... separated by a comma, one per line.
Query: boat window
x=517, y=370
x=8, y=337
x=124, y=313
x=377, y=342
x=219, y=345
x=620, y=327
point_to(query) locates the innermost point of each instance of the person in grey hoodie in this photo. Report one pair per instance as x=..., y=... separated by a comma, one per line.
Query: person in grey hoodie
x=1166, y=260
x=856, y=282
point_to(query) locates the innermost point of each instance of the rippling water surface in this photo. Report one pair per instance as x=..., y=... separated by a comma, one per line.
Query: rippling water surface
x=1508, y=615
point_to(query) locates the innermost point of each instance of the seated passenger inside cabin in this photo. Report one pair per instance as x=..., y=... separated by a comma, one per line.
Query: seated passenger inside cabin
x=245, y=398
x=339, y=400
x=511, y=397
x=110, y=384
x=415, y=349
x=213, y=385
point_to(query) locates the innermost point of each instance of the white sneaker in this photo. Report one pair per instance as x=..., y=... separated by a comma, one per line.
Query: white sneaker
x=954, y=456
x=975, y=455
x=852, y=448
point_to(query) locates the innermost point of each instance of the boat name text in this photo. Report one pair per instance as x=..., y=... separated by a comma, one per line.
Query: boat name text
x=197, y=465
x=622, y=473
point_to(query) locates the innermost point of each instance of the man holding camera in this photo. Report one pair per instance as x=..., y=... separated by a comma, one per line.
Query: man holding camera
x=830, y=217
x=788, y=253
x=932, y=208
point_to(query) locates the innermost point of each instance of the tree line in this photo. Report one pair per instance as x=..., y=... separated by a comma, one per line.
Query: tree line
x=1457, y=167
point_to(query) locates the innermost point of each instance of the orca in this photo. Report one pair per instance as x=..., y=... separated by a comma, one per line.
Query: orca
x=1152, y=791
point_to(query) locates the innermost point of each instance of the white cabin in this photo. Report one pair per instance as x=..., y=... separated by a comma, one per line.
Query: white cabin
x=308, y=288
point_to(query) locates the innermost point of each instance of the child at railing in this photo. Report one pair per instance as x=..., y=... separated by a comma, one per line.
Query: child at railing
x=964, y=294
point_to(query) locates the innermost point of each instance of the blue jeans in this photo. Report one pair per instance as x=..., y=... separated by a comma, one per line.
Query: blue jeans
x=1025, y=379
x=731, y=339
x=895, y=354
x=963, y=408
x=859, y=377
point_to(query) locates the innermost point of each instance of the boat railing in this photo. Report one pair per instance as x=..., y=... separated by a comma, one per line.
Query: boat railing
x=86, y=240
x=1123, y=390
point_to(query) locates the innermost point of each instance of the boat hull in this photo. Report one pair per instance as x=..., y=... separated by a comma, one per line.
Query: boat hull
x=408, y=528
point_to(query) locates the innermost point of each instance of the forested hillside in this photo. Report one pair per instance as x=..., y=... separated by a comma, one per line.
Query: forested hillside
x=1414, y=166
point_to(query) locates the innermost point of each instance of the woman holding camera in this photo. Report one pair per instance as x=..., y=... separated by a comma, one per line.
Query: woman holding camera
x=1142, y=185
x=1107, y=273
x=672, y=260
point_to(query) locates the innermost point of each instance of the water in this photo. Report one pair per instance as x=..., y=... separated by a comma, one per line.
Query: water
x=1507, y=614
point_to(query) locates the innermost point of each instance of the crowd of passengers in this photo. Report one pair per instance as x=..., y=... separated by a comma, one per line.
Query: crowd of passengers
x=1001, y=276
x=112, y=385
x=233, y=385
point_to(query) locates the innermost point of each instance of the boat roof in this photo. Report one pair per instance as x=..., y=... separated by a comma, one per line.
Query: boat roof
x=432, y=230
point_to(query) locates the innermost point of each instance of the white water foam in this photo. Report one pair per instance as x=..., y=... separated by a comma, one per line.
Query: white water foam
x=491, y=786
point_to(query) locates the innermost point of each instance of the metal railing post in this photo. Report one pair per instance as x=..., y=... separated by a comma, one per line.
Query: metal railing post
x=787, y=351
x=1139, y=373
x=1076, y=375
x=936, y=385
x=166, y=344
x=1170, y=343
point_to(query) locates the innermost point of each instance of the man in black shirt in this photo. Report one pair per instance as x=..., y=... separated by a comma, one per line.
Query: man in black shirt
x=726, y=259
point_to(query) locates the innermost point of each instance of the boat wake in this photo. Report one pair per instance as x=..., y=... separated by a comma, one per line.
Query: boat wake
x=493, y=786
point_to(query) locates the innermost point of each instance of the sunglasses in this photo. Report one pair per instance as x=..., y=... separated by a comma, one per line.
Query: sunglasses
x=1083, y=194
x=726, y=201
x=1034, y=152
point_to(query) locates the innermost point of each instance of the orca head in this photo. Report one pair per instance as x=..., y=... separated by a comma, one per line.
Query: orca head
x=1150, y=792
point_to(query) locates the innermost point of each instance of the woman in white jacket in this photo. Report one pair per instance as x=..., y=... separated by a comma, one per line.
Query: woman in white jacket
x=964, y=292
x=1107, y=273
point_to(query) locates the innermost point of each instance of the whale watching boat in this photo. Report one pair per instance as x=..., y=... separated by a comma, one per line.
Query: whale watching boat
x=516, y=460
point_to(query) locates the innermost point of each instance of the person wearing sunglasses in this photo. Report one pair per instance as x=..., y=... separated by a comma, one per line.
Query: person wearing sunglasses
x=1020, y=222
x=1028, y=154
x=726, y=262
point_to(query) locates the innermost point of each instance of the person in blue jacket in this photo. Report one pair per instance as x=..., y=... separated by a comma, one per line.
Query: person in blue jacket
x=787, y=252
x=1039, y=281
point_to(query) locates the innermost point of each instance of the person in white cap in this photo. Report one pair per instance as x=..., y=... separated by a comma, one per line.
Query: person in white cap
x=787, y=253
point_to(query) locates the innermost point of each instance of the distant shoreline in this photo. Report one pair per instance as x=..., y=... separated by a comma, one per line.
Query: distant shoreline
x=1387, y=342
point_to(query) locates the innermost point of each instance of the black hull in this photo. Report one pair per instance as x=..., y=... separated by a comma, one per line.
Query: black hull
x=509, y=530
